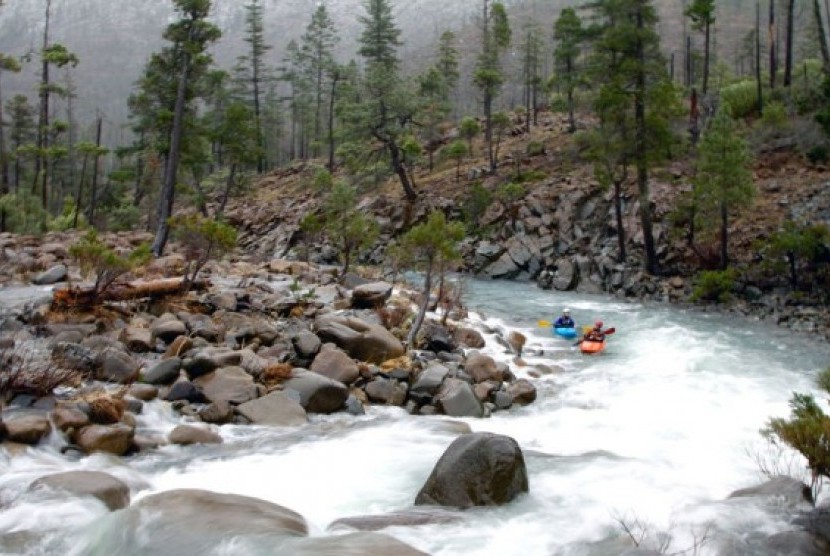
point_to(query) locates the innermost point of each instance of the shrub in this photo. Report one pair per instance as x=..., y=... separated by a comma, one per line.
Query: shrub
x=202, y=239
x=714, y=285
x=477, y=202
x=24, y=213
x=23, y=374
x=123, y=217
x=818, y=154
x=775, y=116
x=98, y=260
x=535, y=148
x=742, y=98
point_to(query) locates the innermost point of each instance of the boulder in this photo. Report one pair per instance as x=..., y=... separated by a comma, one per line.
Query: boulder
x=114, y=365
x=114, y=439
x=73, y=356
x=191, y=521
x=138, y=340
x=178, y=347
x=350, y=544
x=405, y=518
x=187, y=434
x=796, y=543
x=167, y=328
x=478, y=469
x=372, y=295
x=318, y=394
x=306, y=344
x=53, y=275
x=217, y=412
x=782, y=489
x=504, y=267
x=386, y=391
x=68, y=418
x=335, y=364
x=468, y=337
x=26, y=426
x=103, y=486
x=230, y=384
x=457, y=399
x=187, y=391
x=566, y=276
x=277, y=408
x=438, y=338
x=482, y=367
x=516, y=341
x=362, y=340
x=430, y=379
x=165, y=371
x=210, y=359
x=522, y=391
x=143, y=392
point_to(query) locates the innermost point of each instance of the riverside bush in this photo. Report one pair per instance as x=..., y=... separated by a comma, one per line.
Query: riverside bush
x=714, y=285
x=742, y=98
x=98, y=260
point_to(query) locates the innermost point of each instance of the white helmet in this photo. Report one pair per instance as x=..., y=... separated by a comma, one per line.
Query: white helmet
x=566, y=311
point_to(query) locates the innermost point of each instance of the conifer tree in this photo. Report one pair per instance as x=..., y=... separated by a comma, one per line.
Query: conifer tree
x=318, y=45
x=256, y=71
x=21, y=132
x=702, y=14
x=531, y=52
x=568, y=35
x=7, y=64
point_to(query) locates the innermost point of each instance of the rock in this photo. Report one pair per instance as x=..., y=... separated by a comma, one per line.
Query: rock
x=55, y=274
x=406, y=518
x=224, y=301
x=190, y=521
x=566, y=276
x=437, y=338
x=306, y=344
x=230, y=384
x=68, y=418
x=333, y=363
x=504, y=268
x=478, y=469
x=457, y=399
x=386, y=391
x=210, y=359
x=318, y=394
x=796, y=543
x=103, y=486
x=430, y=379
x=114, y=439
x=791, y=492
x=187, y=391
x=178, y=347
x=26, y=426
x=482, y=367
x=372, y=295
x=362, y=340
x=167, y=328
x=73, y=356
x=522, y=391
x=187, y=434
x=114, y=365
x=277, y=408
x=138, y=340
x=468, y=337
x=217, y=412
x=516, y=341
x=143, y=392
x=165, y=371
x=351, y=544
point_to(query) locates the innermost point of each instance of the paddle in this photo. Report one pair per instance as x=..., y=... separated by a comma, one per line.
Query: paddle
x=544, y=323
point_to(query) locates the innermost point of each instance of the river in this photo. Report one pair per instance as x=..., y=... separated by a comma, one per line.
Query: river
x=653, y=433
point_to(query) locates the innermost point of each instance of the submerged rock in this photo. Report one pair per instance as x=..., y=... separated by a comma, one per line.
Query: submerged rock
x=103, y=486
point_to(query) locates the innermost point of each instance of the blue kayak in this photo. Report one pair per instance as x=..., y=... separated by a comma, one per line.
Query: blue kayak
x=565, y=332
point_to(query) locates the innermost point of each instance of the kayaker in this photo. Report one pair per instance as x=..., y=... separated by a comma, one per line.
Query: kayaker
x=565, y=321
x=595, y=334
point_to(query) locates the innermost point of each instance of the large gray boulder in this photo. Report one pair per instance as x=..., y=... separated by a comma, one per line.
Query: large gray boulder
x=350, y=544
x=277, y=408
x=478, y=469
x=430, y=379
x=190, y=521
x=782, y=489
x=457, y=398
x=369, y=296
x=405, y=518
x=188, y=434
x=362, y=340
x=318, y=394
x=230, y=384
x=53, y=275
x=566, y=276
x=103, y=486
x=114, y=439
x=114, y=365
x=26, y=427
x=334, y=363
x=167, y=328
x=165, y=371
x=482, y=367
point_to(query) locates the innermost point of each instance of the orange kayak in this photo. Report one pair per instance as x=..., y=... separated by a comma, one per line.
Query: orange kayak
x=587, y=346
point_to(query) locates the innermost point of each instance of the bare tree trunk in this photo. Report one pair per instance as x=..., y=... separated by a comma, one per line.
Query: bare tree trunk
x=758, y=56
x=822, y=38
x=227, y=192
x=43, y=119
x=93, y=199
x=334, y=79
x=618, y=214
x=788, y=55
x=422, y=311
x=641, y=154
x=80, y=192
x=773, y=59
x=165, y=206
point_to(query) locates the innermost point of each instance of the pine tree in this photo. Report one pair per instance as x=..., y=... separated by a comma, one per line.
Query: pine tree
x=21, y=132
x=531, y=52
x=488, y=77
x=257, y=73
x=723, y=181
x=568, y=35
x=702, y=14
x=318, y=45
x=447, y=63
x=7, y=64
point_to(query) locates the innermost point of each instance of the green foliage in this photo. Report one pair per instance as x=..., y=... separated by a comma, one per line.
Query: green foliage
x=432, y=241
x=775, y=116
x=818, y=154
x=468, y=128
x=807, y=430
x=796, y=249
x=476, y=203
x=66, y=219
x=530, y=176
x=123, y=217
x=351, y=230
x=201, y=240
x=322, y=180
x=535, y=148
x=823, y=115
x=311, y=227
x=714, y=285
x=105, y=265
x=24, y=213
x=742, y=98
x=510, y=193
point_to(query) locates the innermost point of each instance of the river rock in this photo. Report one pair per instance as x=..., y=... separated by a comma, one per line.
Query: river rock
x=457, y=399
x=219, y=412
x=516, y=341
x=482, y=367
x=796, y=543
x=74, y=357
x=386, y=391
x=277, y=408
x=372, y=295
x=165, y=371
x=522, y=391
x=306, y=344
x=187, y=391
x=114, y=365
x=468, y=337
x=788, y=490
x=351, y=544
x=406, y=518
x=362, y=340
x=430, y=379
x=335, y=364
x=210, y=359
x=478, y=469
x=230, y=384
x=178, y=347
x=53, y=275
x=143, y=392
x=202, y=326
x=318, y=394
x=138, y=340
x=26, y=426
x=103, y=486
x=68, y=418
x=188, y=434
x=566, y=276
x=438, y=338
x=190, y=521
x=114, y=439
x=167, y=328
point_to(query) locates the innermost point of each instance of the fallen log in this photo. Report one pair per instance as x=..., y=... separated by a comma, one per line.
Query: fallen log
x=128, y=291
